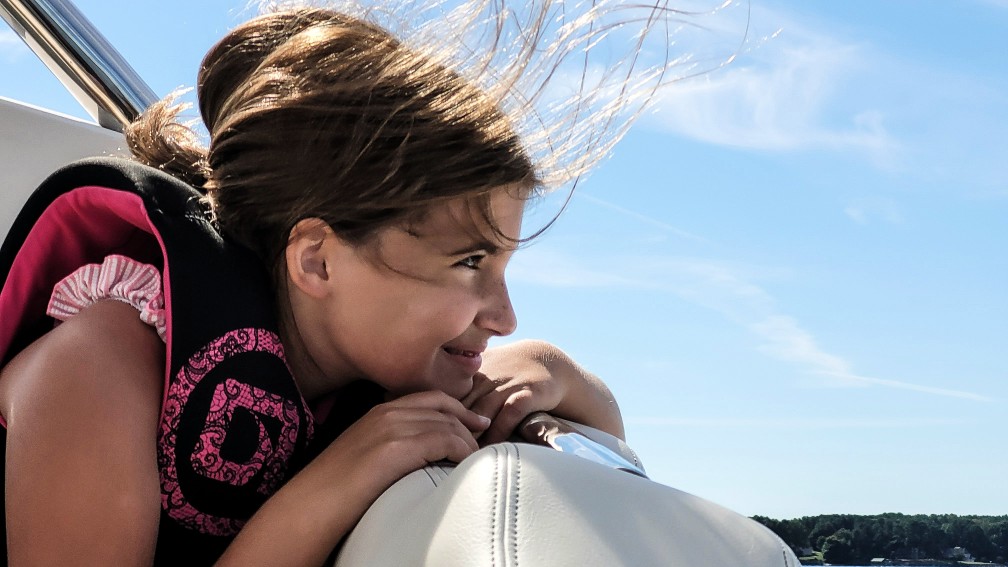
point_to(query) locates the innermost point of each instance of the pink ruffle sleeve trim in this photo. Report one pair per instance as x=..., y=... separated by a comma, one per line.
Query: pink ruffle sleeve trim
x=119, y=278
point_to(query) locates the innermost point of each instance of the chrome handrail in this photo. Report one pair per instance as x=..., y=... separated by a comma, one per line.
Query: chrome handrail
x=82, y=59
x=544, y=429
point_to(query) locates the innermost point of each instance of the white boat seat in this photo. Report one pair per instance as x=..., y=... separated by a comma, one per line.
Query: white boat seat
x=522, y=505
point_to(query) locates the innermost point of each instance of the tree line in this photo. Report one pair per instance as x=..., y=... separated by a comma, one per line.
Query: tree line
x=855, y=540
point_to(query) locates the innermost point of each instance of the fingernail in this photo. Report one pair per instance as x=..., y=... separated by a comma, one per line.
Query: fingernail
x=484, y=421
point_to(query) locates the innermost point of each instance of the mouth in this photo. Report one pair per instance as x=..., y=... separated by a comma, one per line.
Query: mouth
x=470, y=360
x=460, y=352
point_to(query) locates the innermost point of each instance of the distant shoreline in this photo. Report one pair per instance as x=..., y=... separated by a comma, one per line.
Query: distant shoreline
x=896, y=539
x=910, y=563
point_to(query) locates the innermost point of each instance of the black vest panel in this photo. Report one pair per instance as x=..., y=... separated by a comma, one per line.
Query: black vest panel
x=233, y=424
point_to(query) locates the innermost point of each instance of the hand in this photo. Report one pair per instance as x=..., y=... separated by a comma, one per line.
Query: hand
x=524, y=377
x=400, y=436
x=322, y=503
x=510, y=388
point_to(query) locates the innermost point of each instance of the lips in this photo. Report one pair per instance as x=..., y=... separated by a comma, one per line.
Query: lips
x=469, y=359
x=461, y=352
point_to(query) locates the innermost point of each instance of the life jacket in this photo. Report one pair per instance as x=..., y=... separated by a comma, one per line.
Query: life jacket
x=233, y=425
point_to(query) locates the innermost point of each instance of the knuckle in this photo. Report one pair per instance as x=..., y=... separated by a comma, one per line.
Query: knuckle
x=427, y=396
x=519, y=402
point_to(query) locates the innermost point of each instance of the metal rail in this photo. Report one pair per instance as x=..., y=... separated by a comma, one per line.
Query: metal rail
x=82, y=59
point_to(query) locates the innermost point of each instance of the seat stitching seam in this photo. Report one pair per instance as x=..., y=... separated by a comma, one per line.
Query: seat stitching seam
x=493, y=511
x=514, y=515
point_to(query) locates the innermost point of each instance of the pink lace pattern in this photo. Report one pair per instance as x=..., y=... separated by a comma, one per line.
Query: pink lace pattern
x=271, y=456
x=119, y=278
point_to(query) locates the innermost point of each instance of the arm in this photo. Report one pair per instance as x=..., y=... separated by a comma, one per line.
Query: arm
x=83, y=488
x=528, y=376
x=304, y=520
x=81, y=405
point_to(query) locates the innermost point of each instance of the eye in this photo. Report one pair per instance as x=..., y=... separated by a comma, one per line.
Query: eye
x=471, y=262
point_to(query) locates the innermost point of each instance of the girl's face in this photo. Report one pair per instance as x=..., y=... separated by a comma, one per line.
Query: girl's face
x=414, y=311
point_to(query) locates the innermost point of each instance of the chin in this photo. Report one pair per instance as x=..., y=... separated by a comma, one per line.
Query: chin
x=457, y=386
x=457, y=389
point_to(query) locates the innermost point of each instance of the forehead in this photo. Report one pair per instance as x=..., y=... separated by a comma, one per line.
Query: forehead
x=494, y=220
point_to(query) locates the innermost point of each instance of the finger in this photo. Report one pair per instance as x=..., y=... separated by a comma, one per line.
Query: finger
x=460, y=431
x=438, y=439
x=417, y=436
x=438, y=446
x=482, y=385
x=397, y=420
x=491, y=403
x=516, y=408
x=442, y=402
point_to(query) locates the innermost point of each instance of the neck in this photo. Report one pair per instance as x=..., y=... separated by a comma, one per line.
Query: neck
x=311, y=380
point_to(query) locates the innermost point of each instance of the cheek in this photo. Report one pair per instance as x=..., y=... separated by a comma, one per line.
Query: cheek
x=435, y=319
x=457, y=311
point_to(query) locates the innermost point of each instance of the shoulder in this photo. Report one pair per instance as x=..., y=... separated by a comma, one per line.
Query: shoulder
x=81, y=405
x=103, y=352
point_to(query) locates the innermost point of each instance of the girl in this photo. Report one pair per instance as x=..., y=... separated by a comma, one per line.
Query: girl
x=313, y=320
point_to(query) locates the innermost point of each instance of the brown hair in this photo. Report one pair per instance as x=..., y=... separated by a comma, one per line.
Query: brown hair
x=313, y=113
x=319, y=113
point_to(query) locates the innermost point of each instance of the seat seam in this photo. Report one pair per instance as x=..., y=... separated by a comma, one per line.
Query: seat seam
x=427, y=471
x=442, y=474
x=493, y=510
x=514, y=514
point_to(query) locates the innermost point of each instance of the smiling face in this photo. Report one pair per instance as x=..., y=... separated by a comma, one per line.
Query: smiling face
x=411, y=310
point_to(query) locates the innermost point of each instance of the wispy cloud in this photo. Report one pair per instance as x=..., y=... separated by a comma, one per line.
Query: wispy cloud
x=802, y=86
x=786, y=340
x=780, y=95
x=641, y=217
x=776, y=107
x=727, y=289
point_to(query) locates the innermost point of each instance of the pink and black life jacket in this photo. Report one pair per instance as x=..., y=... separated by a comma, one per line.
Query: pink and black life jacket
x=233, y=425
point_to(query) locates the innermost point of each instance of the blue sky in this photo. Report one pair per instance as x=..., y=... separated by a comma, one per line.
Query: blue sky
x=791, y=273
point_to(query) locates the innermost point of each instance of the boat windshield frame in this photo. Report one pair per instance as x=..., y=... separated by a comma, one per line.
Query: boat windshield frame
x=95, y=73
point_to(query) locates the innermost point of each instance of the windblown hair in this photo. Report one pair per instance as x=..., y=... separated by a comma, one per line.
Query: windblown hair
x=323, y=112
x=313, y=113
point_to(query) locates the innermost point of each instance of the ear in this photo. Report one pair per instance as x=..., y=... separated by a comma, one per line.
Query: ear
x=308, y=256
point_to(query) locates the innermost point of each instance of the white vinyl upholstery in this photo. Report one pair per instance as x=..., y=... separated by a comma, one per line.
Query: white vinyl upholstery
x=35, y=142
x=520, y=505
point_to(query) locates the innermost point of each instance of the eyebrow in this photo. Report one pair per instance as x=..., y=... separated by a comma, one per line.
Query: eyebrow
x=477, y=246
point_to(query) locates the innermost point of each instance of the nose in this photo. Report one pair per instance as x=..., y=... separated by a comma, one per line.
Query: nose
x=497, y=315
